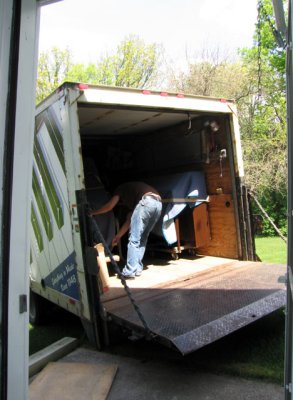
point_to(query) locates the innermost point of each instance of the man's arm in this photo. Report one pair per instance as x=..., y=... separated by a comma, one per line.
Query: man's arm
x=106, y=207
x=124, y=228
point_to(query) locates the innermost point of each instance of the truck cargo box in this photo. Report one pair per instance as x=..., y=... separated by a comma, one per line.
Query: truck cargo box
x=202, y=279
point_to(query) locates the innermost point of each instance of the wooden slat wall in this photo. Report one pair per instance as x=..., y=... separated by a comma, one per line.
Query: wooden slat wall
x=214, y=180
x=221, y=216
x=223, y=228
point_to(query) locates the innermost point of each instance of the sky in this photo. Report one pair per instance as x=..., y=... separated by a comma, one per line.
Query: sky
x=94, y=28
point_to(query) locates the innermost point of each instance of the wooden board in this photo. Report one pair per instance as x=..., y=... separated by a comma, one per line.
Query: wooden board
x=160, y=273
x=73, y=381
x=223, y=228
x=218, y=178
x=201, y=225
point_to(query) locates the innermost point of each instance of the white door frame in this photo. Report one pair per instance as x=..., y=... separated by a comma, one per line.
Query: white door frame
x=19, y=34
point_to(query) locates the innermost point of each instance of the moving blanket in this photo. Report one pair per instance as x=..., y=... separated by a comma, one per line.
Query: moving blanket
x=183, y=185
x=96, y=198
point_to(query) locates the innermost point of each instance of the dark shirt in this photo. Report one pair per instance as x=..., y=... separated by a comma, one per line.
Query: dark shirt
x=131, y=193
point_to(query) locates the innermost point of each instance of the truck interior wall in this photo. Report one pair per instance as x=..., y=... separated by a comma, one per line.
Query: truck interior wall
x=171, y=150
x=221, y=205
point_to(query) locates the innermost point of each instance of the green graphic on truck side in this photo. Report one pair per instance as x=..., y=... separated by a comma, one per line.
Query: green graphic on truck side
x=37, y=230
x=48, y=184
x=47, y=203
x=42, y=206
x=55, y=135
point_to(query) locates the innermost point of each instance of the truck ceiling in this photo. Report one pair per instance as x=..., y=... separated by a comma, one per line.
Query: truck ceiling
x=109, y=121
x=118, y=111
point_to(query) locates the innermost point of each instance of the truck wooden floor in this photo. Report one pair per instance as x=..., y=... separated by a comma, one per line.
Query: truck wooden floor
x=188, y=303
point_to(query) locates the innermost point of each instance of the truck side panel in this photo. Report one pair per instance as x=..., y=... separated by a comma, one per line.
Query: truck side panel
x=53, y=255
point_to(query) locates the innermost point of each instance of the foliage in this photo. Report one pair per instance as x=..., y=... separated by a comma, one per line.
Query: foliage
x=263, y=120
x=133, y=65
x=275, y=205
x=212, y=75
x=84, y=73
x=53, y=67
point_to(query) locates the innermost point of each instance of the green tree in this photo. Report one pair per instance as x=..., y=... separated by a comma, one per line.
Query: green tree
x=135, y=64
x=210, y=74
x=84, y=73
x=263, y=118
x=53, y=67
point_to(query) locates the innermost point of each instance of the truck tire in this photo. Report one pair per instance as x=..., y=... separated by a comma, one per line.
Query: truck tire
x=37, y=310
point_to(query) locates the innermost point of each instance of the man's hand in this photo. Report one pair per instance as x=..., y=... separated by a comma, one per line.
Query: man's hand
x=115, y=240
x=124, y=228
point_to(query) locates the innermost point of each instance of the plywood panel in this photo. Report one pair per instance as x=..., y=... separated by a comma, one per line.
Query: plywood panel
x=223, y=228
x=201, y=225
x=73, y=381
x=217, y=177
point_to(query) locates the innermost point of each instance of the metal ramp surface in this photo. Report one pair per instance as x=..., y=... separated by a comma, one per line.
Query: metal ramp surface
x=197, y=310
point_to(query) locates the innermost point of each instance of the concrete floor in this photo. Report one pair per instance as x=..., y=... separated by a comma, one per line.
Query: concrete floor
x=162, y=378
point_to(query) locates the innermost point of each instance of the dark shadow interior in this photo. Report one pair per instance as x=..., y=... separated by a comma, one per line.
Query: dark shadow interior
x=164, y=148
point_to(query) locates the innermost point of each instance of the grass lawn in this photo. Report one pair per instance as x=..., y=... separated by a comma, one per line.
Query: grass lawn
x=271, y=249
x=256, y=351
x=57, y=326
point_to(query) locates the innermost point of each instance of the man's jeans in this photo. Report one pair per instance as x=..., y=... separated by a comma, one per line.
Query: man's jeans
x=144, y=217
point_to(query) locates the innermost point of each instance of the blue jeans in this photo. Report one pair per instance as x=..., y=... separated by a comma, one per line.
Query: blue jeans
x=144, y=217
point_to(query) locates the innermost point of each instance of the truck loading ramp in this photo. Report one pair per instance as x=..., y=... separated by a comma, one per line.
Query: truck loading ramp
x=195, y=309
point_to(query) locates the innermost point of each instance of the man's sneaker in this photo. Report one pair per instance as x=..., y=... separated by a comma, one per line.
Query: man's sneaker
x=138, y=273
x=126, y=276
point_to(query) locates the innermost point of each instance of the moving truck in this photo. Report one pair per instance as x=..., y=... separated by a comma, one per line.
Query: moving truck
x=202, y=279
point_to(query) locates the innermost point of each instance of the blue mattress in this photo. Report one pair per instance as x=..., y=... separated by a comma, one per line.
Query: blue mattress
x=182, y=185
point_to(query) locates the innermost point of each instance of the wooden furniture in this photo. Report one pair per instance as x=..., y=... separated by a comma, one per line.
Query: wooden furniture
x=193, y=228
x=102, y=262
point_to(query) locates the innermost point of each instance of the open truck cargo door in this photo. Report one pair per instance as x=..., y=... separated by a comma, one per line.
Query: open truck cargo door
x=289, y=310
x=195, y=309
